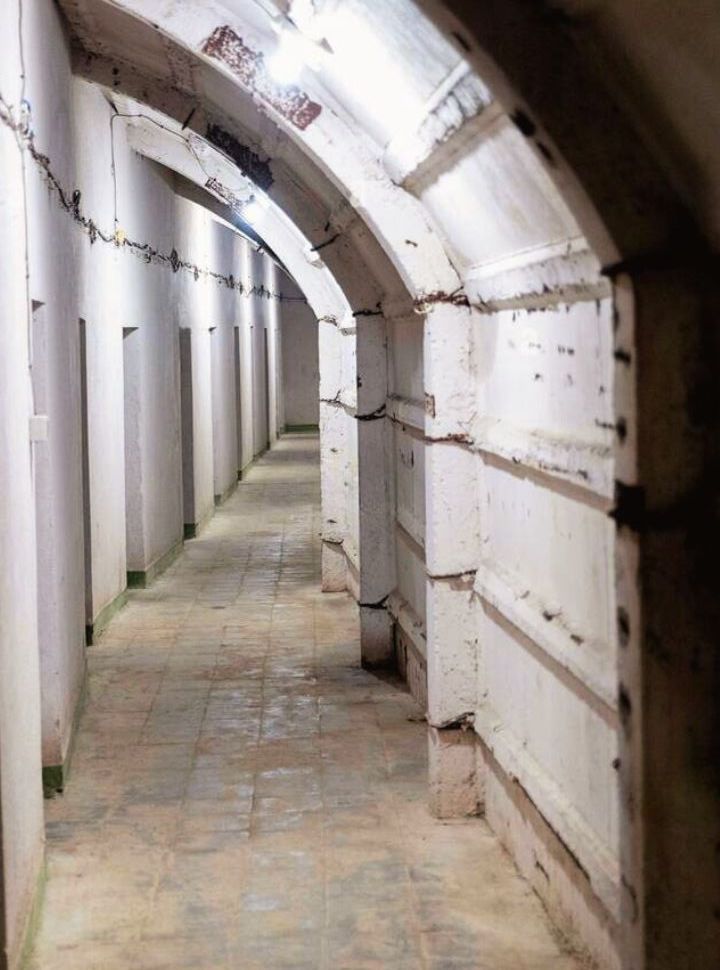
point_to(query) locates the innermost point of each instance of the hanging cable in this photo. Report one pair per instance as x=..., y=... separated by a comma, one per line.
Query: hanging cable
x=71, y=203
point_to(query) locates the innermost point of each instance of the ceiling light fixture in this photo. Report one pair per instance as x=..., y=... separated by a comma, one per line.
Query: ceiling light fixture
x=286, y=63
x=301, y=43
x=293, y=53
x=252, y=212
x=311, y=19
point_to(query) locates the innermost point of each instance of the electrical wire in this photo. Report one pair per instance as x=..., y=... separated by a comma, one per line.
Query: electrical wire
x=71, y=203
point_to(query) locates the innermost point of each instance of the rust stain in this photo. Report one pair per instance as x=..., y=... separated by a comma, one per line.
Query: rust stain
x=249, y=66
x=456, y=298
x=459, y=437
x=369, y=312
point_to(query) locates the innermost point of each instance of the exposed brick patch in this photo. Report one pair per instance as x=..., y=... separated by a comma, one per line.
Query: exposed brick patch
x=249, y=66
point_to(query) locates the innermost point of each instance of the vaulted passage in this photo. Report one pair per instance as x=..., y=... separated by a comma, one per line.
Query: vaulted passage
x=245, y=795
x=359, y=463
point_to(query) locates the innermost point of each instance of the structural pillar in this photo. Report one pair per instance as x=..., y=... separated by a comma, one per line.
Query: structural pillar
x=375, y=499
x=452, y=555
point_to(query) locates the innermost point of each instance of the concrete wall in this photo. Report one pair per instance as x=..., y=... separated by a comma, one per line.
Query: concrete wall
x=520, y=549
x=301, y=374
x=501, y=325
x=21, y=809
x=406, y=412
x=259, y=361
x=339, y=456
x=59, y=482
x=225, y=256
x=245, y=369
x=108, y=481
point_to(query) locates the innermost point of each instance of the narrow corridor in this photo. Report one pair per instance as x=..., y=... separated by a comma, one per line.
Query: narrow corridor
x=244, y=795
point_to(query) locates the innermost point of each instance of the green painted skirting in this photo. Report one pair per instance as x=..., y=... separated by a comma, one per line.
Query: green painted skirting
x=32, y=923
x=192, y=530
x=301, y=428
x=242, y=472
x=55, y=777
x=94, y=629
x=142, y=578
x=219, y=499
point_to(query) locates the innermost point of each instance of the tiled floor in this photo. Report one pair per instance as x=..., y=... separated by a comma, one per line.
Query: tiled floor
x=245, y=796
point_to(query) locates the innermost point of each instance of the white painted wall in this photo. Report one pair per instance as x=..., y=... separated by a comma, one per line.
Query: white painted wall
x=518, y=431
x=246, y=363
x=132, y=310
x=406, y=411
x=457, y=391
x=301, y=373
x=260, y=342
x=52, y=264
x=196, y=312
x=21, y=808
x=146, y=211
x=99, y=300
x=275, y=282
x=339, y=451
x=224, y=303
x=520, y=549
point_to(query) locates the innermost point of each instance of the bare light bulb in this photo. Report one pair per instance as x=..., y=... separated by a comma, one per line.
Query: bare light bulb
x=252, y=212
x=285, y=65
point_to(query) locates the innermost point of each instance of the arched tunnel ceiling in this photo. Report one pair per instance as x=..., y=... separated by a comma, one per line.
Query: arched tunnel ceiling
x=199, y=163
x=389, y=121
x=391, y=126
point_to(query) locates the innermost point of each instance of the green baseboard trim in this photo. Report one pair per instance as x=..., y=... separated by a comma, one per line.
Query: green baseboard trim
x=219, y=499
x=242, y=472
x=302, y=429
x=55, y=777
x=191, y=530
x=94, y=629
x=32, y=921
x=142, y=578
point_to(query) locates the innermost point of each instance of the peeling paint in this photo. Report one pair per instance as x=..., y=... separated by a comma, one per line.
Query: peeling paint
x=456, y=298
x=327, y=242
x=249, y=66
x=366, y=312
x=462, y=722
x=457, y=437
x=380, y=605
x=249, y=162
x=379, y=412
